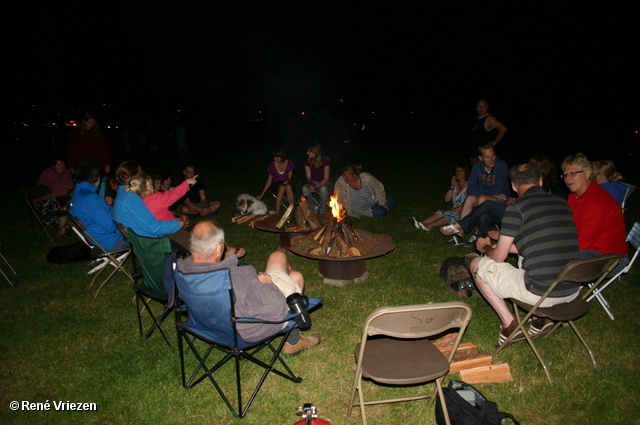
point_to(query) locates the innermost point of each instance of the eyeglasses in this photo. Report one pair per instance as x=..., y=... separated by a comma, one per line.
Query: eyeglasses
x=570, y=174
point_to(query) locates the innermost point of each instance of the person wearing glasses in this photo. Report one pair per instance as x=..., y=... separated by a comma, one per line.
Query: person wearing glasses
x=598, y=216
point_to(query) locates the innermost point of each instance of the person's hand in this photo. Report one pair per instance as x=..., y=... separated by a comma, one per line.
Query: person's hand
x=481, y=243
x=192, y=180
x=184, y=222
x=501, y=197
x=259, y=197
x=312, y=189
x=206, y=211
x=264, y=278
x=453, y=181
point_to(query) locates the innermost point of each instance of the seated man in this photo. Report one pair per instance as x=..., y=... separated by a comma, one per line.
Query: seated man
x=260, y=295
x=598, y=216
x=195, y=202
x=489, y=180
x=92, y=210
x=544, y=251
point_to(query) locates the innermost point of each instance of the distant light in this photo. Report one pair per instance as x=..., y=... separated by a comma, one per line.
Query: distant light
x=302, y=112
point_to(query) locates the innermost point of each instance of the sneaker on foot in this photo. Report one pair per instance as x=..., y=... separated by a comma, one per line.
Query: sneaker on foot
x=304, y=343
x=505, y=332
x=471, y=242
x=454, y=241
x=539, y=325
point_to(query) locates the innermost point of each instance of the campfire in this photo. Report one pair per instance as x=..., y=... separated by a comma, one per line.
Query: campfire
x=302, y=220
x=336, y=238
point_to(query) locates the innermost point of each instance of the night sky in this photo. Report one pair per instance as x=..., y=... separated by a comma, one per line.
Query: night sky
x=535, y=58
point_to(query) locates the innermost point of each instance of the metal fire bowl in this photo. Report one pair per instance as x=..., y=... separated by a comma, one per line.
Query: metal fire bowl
x=351, y=267
x=269, y=225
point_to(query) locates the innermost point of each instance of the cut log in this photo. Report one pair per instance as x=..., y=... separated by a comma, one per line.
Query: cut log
x=446, y=341
x=319, y=232
x=301, y=220
x=465, y=347
x=310, y=216
x=471, y=362
x=285, y=217
x=499, y=372
x=245, y=218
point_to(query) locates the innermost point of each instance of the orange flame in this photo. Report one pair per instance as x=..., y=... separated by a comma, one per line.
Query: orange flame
x=336, y=208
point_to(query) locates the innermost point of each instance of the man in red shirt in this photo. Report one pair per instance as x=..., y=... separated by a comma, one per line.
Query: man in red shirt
x=598, y=216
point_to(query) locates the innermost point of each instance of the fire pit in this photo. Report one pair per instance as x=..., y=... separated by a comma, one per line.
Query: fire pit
x=342, y=252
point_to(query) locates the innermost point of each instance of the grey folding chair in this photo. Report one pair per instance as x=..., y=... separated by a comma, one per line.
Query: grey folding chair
x=584, y=271
x=395, y=350
x=630, y=189
x=10, y=268
x=44, y=219
x=634, y=239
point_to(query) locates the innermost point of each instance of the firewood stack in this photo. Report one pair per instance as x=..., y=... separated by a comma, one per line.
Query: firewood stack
x=299, y=218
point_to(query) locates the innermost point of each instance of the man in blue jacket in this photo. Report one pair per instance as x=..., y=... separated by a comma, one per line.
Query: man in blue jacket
x=489, y=180
x=92, y=210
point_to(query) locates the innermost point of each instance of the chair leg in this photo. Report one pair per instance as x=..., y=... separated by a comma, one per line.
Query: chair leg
x=11, y=268
x=584, y=342
x=445, y=411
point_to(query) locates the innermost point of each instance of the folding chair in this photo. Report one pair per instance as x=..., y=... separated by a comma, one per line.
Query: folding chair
x=584, y=271
x=151, y=255
x=102, y=257
x=9, y=265
x=630, y=189
x=395, y=349
x=209, y=301
x=44, y=219
x=634, y=239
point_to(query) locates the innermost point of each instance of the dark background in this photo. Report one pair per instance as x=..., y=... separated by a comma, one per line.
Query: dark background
x=563, y=78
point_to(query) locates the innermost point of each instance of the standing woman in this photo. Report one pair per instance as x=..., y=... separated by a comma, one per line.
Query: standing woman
x=87, y=141
x=317, y=169
x=279, y=178
x=456, y=195
x=361, y=194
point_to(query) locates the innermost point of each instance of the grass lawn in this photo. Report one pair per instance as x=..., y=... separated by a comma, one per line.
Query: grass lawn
x=59, y=344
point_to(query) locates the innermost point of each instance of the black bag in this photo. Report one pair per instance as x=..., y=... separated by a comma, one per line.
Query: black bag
x=467, y=406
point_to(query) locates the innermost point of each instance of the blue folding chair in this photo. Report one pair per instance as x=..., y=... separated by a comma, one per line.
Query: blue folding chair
x=209, y=300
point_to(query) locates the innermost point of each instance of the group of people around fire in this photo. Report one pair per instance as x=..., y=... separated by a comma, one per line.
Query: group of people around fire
x=483, y=193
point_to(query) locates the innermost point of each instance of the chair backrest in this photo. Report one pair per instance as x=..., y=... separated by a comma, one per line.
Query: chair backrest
x=34, y=192
x=634, y=236
x=627, y=193
x=418, y=321
x=588, y=270
x=207, y=297
x=152, y=255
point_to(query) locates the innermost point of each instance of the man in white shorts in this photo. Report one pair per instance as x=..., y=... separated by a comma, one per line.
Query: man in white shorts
x=259, y=295
x=539, y=227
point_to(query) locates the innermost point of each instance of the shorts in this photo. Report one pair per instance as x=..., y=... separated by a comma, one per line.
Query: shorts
x=450, y=216
x=283, y=281
x=507, y=281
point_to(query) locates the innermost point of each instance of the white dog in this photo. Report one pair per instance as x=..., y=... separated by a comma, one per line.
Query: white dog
x=248, y=204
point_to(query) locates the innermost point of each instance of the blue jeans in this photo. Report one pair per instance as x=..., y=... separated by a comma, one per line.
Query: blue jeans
x=379, y=211
x=323, y=193
x=484, y=215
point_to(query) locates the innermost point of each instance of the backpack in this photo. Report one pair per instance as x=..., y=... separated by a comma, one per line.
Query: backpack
x=467, y=406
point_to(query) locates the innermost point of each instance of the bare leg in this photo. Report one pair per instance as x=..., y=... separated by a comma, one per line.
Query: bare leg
x=470, y=202
x=497, y=303
x=278, y=260
x=435, y=220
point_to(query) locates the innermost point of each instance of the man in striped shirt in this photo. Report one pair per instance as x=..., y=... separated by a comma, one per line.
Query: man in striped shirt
x=539, y=227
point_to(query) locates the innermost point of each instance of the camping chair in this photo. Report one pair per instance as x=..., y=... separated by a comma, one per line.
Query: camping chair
x=584, y=271
x=212, y=321
x=151, y=255
x=627, y=193
x=634, y=239
x=394, y=349
x=9, y=265
x=44, y=219
x=102, y=257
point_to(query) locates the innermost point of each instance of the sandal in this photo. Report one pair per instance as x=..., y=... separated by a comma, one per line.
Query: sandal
x=449, y=230
x=419, y=225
